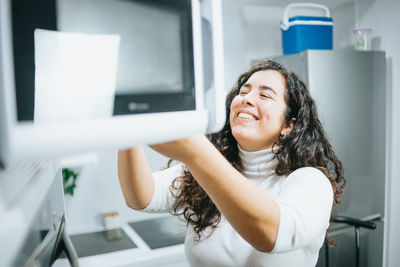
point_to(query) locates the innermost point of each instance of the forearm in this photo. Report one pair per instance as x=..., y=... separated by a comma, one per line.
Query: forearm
x=135, y=177
x=253, y=214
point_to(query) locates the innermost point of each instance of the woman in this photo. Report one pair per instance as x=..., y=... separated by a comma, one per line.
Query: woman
x=259, y=192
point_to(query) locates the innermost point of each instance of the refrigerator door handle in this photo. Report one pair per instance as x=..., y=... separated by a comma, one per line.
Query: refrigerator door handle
x=355, y=222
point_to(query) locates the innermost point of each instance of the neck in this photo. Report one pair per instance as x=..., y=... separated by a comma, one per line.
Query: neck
x=258, y=164
x=254, y=147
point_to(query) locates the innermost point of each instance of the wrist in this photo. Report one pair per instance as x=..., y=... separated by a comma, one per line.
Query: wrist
x=199, y=149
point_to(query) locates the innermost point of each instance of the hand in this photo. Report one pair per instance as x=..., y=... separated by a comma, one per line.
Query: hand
x=182, y=150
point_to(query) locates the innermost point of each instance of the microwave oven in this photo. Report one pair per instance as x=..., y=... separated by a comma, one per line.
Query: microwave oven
x=82, y=75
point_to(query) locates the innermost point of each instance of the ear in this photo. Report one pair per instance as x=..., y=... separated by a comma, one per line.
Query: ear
x=288, y=128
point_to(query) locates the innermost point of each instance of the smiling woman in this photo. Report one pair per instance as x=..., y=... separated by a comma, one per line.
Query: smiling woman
x=258, y=193
x=257, y=112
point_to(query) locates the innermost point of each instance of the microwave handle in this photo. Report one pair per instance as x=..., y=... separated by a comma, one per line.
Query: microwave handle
x=213, y=77
x=65, y=244
x=42, y=251
x=70, y=250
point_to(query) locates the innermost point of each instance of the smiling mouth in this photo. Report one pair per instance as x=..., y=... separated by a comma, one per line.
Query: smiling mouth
x=247, y=116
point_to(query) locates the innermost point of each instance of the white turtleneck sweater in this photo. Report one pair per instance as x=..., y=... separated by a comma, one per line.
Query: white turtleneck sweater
x=305, y=199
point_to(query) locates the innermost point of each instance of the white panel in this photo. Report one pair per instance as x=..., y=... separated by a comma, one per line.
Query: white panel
x=23, y=188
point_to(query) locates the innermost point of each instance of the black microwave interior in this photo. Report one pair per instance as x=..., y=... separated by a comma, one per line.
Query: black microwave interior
x=155, y=70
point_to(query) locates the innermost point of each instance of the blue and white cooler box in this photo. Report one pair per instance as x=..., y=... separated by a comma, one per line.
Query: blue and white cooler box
x=300, y=33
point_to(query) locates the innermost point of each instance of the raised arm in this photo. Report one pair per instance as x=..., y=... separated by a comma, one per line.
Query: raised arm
x=253, y=214
x=293, y=220
x=135, y=177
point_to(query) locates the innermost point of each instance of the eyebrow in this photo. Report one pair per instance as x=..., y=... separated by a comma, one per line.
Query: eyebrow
x=262, y=87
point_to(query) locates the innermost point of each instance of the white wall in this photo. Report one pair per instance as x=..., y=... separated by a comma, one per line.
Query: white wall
x=382, y=17
x=234, y=42
x=98, y=190
x=263, y=34
x=344, y=21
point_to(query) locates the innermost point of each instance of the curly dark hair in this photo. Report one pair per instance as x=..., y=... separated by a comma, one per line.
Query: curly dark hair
x=305, y=145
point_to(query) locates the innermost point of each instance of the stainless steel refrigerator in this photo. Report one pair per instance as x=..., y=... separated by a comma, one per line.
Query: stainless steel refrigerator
x=349, y=88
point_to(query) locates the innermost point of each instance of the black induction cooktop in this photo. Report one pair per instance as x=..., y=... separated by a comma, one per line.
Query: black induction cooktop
x=160, y=232
x=94, y=243
x=157, y=233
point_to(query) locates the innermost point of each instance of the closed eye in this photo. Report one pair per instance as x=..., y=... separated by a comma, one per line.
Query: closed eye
x=265, y=96
x=243, y=92
x=245, y=89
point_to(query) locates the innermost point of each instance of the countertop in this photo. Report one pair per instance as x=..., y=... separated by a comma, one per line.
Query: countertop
x=154, y=242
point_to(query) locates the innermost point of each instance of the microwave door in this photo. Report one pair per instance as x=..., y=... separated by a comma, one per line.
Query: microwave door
x=213, y=64
x=156, y=59
x=74, y=131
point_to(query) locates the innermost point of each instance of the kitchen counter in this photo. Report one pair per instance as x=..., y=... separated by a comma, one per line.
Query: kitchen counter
x=155, y=242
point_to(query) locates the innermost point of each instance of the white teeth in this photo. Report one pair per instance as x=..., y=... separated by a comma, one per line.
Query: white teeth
x=246, y=116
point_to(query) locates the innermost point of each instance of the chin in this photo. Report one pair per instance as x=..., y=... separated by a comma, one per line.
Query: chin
x=241, y=135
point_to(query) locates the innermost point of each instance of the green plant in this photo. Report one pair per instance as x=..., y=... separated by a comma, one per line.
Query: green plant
x=69, y=181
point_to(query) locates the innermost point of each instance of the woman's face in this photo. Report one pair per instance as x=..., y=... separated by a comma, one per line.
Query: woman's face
x=257, y=112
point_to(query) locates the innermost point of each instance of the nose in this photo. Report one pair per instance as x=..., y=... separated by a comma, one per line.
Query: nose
x=248, y=99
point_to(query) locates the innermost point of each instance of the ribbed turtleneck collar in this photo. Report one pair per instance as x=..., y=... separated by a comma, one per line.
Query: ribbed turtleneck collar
x=258, y=164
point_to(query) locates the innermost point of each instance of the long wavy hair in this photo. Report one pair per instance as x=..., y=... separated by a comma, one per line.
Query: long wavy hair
x=305, y=145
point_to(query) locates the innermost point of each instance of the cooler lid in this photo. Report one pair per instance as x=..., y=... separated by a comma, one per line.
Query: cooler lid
x=307, y=20
x=310, y=18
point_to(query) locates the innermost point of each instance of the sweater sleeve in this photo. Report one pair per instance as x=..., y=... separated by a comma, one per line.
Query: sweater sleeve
x=163, y=200
x=305, y=203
